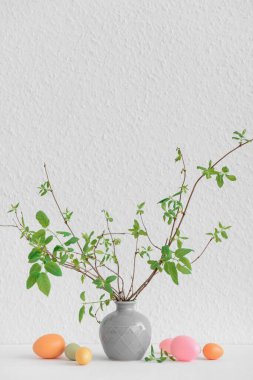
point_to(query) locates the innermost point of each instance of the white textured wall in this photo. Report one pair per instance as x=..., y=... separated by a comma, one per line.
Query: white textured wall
x=104, y=92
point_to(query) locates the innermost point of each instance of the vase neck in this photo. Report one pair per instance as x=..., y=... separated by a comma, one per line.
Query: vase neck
x=125, y=305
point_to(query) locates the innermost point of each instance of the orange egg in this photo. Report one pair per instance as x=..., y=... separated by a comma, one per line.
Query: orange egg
x=49, y=346
x=212, y=351
x=83, y=355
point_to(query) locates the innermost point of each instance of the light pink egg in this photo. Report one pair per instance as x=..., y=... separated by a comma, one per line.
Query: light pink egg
x=184, y=348
x=165, y=345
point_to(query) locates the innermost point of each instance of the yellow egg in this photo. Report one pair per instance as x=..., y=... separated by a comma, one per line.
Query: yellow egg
x=83, y=355
x=49, y=346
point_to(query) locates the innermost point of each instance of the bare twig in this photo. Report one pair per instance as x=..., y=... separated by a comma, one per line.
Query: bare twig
x=133, y=274
x=96, y=312
x=151, y=242
x=143, y=285
x=59, y=208
x=9, y=225
x=206, y=246
x=117, y=233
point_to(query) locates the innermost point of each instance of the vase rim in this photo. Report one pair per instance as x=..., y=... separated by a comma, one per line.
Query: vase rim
x=125, y=302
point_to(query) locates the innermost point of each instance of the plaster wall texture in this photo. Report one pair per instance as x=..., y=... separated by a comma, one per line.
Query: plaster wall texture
x=104, y=92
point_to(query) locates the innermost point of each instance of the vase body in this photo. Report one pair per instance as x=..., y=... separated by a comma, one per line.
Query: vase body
x=125, y=334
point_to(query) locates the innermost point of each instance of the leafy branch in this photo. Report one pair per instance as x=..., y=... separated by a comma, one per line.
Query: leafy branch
x=93, y=255
x=171, y=268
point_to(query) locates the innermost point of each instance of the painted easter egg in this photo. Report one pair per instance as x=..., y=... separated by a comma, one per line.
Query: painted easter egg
x=213, y=351
x=83, y=355
x=165, y=345
x=70, y=351
x=49, y=346
x=184, y=348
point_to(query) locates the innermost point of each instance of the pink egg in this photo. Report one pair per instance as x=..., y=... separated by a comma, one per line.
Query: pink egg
x=184, y=348
x=165, y=345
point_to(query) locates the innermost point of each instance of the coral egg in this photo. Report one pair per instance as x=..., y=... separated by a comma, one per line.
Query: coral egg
x=49, y=346
x=83, y=355
x=184, y=348
x=165, y=345
x=212, y=351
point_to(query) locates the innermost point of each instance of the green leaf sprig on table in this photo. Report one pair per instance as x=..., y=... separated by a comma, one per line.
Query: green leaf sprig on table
x=162, y=357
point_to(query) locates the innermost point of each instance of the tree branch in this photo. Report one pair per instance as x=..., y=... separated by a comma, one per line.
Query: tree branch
x=66, y=222
x=147, y=281
x=8, y=225
x=199, y=179
x=134, y=265
x=180, y=198
x=206, y=246
x=151, y=242
x=114, y=253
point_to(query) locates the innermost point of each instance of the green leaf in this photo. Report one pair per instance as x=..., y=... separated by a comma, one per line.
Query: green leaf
x=42, y=219
x=32, y=279
x=225, y=169
x=39, y=237
x=44, y=188
x=183, y=269
x=14, y=208
x=53, y=268
x=99, y=252
x=64, y=258
x=34, y=255
x=67, y=215
x=81, y=313
x=108, y=288
x=64, y=233
x=179, y=155
x=154, y=264
x=110, y=279
x=58, y=248
x=91, y=311
x=224, y=234
x=72, y=240
x=161, y=359
x=170, y=268
x=49, y=239
x=82, y=296
x=43, y=283
x=35, y=268
x=186, y=262
x=179, y=243
x=166, y=252
x=181, y=252
x=98, y=282
x=219, y=180
x=231, y=177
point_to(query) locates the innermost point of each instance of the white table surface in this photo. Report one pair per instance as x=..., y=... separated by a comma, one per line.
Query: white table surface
x=19, y=362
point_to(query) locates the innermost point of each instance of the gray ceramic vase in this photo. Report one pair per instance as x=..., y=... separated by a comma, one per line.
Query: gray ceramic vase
x=125, y=334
